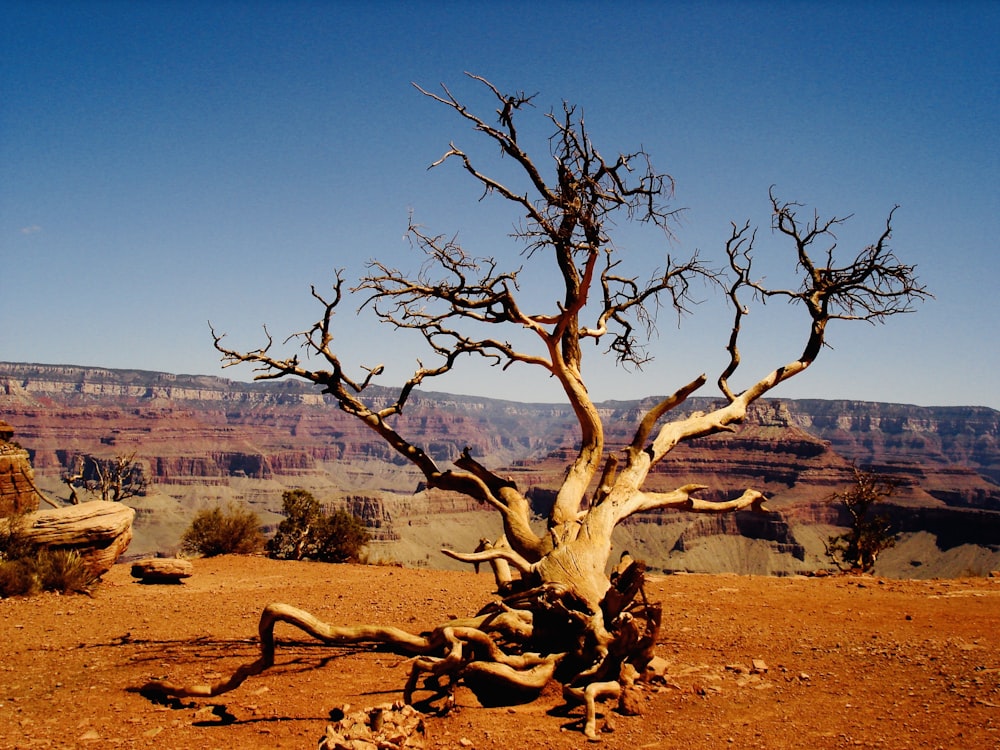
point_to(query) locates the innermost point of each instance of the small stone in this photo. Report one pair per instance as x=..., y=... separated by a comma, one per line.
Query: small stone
x=656, y=670
x=630, y=702
x=758, y=666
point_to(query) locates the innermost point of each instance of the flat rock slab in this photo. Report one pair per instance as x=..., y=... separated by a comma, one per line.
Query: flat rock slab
x=162, y=570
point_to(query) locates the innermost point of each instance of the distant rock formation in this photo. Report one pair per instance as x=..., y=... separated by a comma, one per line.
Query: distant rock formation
x=207, y=437
x=17, y=483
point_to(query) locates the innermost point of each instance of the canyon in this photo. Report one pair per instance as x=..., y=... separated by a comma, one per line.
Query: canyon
x=203, y=441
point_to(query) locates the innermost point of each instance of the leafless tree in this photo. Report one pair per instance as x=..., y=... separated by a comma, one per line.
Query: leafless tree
x=564, y=617
x=113, y=479
x=73, y=478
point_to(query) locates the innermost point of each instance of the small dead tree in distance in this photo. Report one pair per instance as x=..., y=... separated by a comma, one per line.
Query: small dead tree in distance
x=564, y=618
x=114, y=479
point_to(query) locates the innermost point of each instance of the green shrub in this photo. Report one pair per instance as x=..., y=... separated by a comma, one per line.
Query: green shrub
x=26, y=568
x=311, y=533
x=235, y=531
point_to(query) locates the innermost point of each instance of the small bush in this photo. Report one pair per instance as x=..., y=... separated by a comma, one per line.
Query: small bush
x=311, y=533
x=340, y=537
x=14, y=542
x=26, y=569
x=64, y=571
x=17, y=578
x=235, y=531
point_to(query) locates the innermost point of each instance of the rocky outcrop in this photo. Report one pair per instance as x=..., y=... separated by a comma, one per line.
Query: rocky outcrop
x=871, y=432
x=374, y=514
x=768, y=527
x=98, y=531
x=391, y=726
x=17, y=482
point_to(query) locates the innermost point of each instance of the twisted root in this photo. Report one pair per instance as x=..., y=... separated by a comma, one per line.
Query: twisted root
x=490, y=651
x=526, y=671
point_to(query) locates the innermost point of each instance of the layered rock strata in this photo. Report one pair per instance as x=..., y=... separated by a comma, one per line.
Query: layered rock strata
x=17, y=481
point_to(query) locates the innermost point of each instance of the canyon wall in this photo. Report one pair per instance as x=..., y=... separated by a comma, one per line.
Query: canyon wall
x=205, y=440
x=17, y=480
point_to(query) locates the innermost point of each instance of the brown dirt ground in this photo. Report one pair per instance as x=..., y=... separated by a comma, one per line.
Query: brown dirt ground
x=851, y=662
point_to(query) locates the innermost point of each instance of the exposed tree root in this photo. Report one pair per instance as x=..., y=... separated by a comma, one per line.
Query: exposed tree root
x=503, y=654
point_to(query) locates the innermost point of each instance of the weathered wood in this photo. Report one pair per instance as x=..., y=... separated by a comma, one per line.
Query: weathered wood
x=99, y=531
x=599, y=630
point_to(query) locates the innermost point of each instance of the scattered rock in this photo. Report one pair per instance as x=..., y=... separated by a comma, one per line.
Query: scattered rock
x=162, y=570
x=656, y=670
x=390, y=726
x=630, y=702
x=758, y=666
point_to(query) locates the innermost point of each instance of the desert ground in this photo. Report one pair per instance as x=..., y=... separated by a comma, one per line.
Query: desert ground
x=754, y=662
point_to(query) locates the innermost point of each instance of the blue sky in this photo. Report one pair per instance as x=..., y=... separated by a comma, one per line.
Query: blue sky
x=168, y=163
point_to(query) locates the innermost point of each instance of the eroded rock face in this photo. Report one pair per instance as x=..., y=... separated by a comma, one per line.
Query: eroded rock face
x=17, y=485
x=98, y=531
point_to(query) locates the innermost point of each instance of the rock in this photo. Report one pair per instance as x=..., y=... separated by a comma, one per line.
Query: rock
x=390, y=726
x=656, y=670
x=98, y=531
x=630, y=702
x=162, y=570
x=17, y=484
x=759, y=666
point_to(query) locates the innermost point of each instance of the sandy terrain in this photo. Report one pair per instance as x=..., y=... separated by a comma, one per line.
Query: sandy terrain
x=850, y=662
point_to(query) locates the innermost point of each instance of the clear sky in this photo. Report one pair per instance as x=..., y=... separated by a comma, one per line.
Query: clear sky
x=165, y=163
